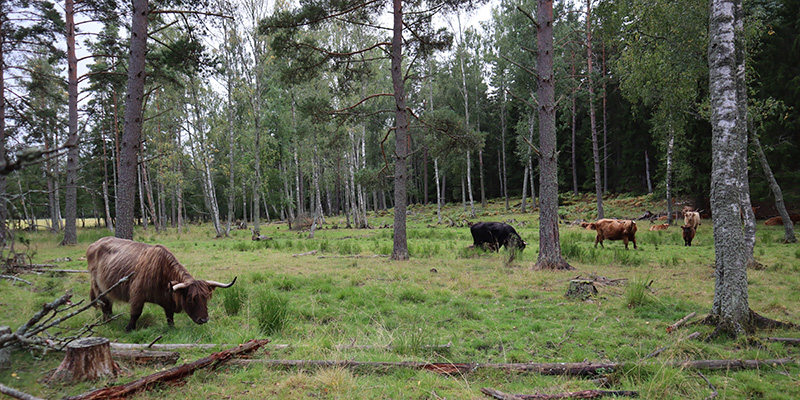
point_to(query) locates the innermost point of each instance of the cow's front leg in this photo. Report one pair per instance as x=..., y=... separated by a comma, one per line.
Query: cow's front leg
x=136, y=312
x=169, y=313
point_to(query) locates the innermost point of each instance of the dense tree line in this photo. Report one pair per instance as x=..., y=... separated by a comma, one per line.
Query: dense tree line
x=243, y=122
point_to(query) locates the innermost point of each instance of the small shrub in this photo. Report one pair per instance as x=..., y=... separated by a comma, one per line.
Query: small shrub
x=572, y=251
x=272, y=312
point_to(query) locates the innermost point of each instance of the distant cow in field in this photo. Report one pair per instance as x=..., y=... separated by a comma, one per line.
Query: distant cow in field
x=778, y=221
x=659, y=227
x=688, y=234
x=691, y=218
x=492, y=235
x=612, y=229
x=157, y=278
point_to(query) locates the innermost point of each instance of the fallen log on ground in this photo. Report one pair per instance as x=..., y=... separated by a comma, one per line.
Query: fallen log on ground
x=172, y=374
x=146, y=357
x=569, y=369
x=583, y=394
x=16, y=393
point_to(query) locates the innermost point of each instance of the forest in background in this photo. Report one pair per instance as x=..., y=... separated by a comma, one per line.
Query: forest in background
x=236, y=124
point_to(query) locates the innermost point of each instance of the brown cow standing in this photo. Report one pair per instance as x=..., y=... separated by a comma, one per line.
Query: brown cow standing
x=688, y=234
x=157, y=278
x=613, y=229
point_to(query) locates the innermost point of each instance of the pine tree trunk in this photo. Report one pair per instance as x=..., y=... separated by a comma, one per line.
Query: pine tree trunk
x=605, y=126
x=71, y=198
x=400, y=242
x=142, y=207
x=3, y=207
x=788, y=226
x=731, y=305
x=549, y=245
x=504, y=178
x=132, y=132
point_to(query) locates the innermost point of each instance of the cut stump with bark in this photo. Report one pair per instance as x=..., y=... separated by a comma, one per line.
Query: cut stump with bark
x=581, y=289
x=86, y=359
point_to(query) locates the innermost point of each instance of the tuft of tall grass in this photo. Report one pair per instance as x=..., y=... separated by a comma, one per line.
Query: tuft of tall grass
x=637, y=293
x=627, y=257
x=233, y=298
x=271, y=311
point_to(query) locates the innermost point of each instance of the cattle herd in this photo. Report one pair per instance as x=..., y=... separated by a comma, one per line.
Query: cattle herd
x=155, y=275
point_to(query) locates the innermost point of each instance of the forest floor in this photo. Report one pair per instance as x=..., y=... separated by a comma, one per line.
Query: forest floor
x=447, y=304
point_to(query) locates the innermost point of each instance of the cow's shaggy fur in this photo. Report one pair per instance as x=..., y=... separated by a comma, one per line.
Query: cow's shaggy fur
x=157, y=278
x=691, y=218
x=688, y=234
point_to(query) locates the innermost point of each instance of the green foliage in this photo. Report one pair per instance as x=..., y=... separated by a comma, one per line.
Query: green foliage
x=233, y=298
x=638, y=292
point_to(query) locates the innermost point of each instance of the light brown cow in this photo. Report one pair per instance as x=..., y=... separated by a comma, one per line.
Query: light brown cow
x=691, y=218
x=157, y=278
x=613, y=229
x=659, y=227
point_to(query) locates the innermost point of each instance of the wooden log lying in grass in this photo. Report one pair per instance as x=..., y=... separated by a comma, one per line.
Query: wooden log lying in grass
x=172, y=374
x=146, y=357
x=16, y=393
x=583, y=394
x=208, y=346
x=681, y=322
x=570, y=369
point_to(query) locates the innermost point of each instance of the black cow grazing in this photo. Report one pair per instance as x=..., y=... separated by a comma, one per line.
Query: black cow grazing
x=492, y=235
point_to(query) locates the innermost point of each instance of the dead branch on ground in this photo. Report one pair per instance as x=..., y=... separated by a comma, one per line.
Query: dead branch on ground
x=213, y=361
x=583, y=394
x=680, y=322
x=16, y=393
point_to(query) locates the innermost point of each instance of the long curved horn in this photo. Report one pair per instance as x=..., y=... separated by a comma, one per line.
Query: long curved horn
x=182, y=285
x=222, y=285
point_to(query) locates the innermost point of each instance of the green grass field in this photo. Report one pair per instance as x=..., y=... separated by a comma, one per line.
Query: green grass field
x=487, y=309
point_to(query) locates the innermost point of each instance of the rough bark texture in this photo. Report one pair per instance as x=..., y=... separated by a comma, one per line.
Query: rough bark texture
x=3, y=208
x=730, y=310
x=132, y=132
x=776, y=191
x=400, y=246
x=748, y=216
x=71, y=199
x=549, y=246
x=86, y=359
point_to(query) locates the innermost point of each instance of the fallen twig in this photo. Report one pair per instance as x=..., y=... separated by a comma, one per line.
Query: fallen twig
x=15, y=279
x=65, y=271
x=357, y=256
x=694, y=335
x=172, y=374
x=714, y=393
x=680, y=322
x=308, y=253
x=583, y=394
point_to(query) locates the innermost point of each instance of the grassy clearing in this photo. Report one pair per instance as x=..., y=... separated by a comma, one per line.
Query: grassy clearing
x=487, y=308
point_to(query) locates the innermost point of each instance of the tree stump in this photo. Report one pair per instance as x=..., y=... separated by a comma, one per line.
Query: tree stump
x=86, y=359
x=5, y=353
x=581, y=289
